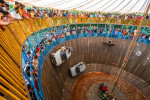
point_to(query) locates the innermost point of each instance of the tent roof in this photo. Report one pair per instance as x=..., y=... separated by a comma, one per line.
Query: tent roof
x=123, y=6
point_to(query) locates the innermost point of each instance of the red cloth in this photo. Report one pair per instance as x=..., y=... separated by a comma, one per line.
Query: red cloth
x=36, y=85
x=1, y=26
x=29, y=15
x=55, y=37
x=142, y=35
x=35, y=70
x=24, y=13
x=38, y=48
x=29, y=90
x=104, y=88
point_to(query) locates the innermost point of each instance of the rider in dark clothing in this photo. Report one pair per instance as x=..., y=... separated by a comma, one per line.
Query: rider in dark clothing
x=101, y=85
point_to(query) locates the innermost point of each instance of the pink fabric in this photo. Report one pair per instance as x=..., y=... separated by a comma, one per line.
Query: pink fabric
x=140, y=17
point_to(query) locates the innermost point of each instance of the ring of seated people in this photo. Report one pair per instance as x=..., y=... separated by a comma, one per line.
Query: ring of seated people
x=32, y=48
x=53, y=34
x=9, y=12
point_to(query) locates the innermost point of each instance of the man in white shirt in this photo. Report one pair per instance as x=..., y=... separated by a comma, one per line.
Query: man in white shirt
x=15, y=14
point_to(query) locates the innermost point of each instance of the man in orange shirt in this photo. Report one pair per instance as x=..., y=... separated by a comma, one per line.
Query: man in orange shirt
x=62, y=35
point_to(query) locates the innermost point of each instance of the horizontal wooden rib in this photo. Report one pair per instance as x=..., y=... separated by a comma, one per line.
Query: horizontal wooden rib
x=10, y=67
x=1, y=98
x=19, y=86
x=12, y=89
x=11, y=74
x=8, y=93
x=9, y=61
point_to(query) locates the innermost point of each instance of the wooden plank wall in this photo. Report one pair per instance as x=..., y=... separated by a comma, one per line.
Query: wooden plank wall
x=92, y=50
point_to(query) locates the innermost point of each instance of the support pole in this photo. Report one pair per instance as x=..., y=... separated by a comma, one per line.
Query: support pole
x=130, y=49
x=76, y=30
x=97, y=27
x=132, y=29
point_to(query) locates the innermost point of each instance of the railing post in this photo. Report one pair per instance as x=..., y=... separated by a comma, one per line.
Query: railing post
x=62, y=28
x=90, y=30
x=76, y=30
x=141, y=34
x=113, y=26
x=39, y=35
x=44, y=40
x=69, y=27
x=122, y=27
x=132, y=29
x=105, y=26
x=97, y=27
x=83, y=27
x=47, y=31
x=50, y=33
x=55, y=30
x=29, y=41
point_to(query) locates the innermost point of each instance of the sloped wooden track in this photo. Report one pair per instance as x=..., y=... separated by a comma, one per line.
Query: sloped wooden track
x=91, y=50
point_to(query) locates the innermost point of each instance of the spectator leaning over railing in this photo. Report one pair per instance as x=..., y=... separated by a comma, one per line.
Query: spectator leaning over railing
x=3, y=14
x=36, y=12
x=45, y=14
x=2, y=3
x=15, y=14
x=7, y=7
x=29, y=13
x=16, y=4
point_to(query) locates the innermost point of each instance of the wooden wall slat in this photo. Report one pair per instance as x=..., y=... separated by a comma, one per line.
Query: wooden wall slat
x=10, y=74
x=8, y=93
x=16, y=84
x=9, y=67
x=12, y=89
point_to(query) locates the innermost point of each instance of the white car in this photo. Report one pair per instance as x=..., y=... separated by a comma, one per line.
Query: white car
x=77, y=69
x=60, y=56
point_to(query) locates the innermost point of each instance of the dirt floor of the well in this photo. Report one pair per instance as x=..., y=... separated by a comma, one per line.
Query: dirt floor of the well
x=86, y=87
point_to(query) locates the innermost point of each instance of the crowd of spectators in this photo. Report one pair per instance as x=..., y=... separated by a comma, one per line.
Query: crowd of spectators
x=19, y=12
x=53, y=35
x=31, y=67
x=31, y=62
